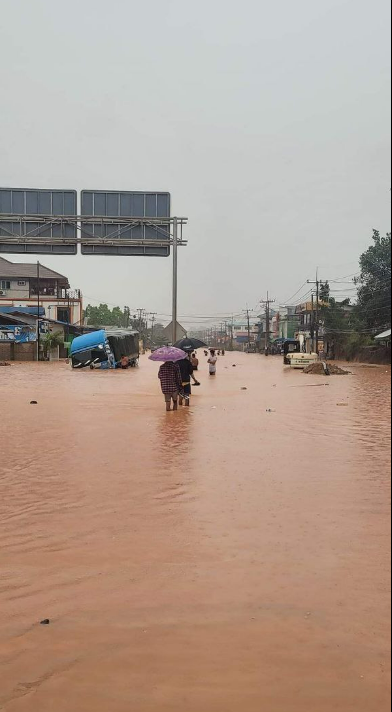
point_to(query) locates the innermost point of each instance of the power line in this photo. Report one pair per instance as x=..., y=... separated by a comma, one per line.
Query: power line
x=300, y=300
x=286, y=302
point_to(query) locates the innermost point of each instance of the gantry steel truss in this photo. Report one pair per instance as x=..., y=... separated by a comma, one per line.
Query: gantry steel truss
x=38, y=229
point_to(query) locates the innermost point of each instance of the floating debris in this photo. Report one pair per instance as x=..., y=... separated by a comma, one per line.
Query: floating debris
x=319, y=369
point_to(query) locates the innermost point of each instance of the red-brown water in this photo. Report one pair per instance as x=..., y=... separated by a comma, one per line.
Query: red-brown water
x=231, y=556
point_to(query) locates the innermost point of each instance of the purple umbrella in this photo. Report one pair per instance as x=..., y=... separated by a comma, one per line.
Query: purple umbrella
x=168, y=353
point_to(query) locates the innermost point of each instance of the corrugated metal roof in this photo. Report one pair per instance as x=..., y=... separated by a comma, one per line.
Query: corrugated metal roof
x=4, y=317
x=29, y=311
x=28, y=271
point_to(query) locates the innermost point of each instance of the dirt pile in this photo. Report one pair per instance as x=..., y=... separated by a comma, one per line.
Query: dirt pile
x=317, y=369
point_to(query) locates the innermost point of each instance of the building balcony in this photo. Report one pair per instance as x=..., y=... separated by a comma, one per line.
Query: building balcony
x=61, y=294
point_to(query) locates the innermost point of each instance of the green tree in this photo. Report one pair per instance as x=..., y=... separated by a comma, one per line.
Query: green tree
x=374, y=295
x=341, y=326
x=325, y=292
x=336, y=316
x=51, y=341
x=104, y=316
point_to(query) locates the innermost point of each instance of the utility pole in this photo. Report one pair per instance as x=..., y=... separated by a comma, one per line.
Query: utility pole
x=247, y=312
x=317, y=312
x=267, y=303
x=69, y=316
x=175, y=281
x=232, y=334
x=317, y=325
x=140, y=316
x=312, y=324
x=153, y=315
x=38, y=308
x=225, y=323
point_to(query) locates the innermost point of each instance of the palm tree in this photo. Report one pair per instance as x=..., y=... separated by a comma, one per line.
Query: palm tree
x=50, y=341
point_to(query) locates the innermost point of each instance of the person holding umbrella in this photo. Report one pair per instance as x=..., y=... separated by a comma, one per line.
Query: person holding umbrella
x=186, y=369
x=169, y=374
x=190, y=345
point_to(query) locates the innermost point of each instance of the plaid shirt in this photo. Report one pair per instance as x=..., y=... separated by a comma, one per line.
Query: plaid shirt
x=170, y=378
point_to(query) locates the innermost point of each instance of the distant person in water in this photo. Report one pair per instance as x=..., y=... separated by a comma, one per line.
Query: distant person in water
x=195, y=362
x=171, y=383
x=212, y=361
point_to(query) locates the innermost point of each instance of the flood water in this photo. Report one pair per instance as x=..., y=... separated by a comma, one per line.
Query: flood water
x=231, y=557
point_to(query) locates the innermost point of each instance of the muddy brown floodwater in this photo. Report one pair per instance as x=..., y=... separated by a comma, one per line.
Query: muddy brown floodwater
x=231, y=557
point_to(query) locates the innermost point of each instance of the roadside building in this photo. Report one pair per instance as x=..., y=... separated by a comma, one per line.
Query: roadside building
x=288, y=322
x=18, y=338
x=23, y=285
x=35, y=301
x=305, y=332
x=241, y=336
x=261, y=327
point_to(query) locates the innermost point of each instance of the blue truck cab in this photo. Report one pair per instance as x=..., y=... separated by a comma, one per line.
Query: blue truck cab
x=105, y=349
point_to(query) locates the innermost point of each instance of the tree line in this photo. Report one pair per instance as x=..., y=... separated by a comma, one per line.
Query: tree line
x=102, y=316
x=351, y=327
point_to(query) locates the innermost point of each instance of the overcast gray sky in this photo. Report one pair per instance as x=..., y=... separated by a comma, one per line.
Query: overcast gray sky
x=269, y=123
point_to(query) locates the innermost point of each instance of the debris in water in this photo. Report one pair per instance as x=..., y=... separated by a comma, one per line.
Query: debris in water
x=4, y=363
x=244, y=388
x=320, y=368
x=33, y=402
x=45, y=621
x=310, y=385
x=342, y=404
x=269, y=410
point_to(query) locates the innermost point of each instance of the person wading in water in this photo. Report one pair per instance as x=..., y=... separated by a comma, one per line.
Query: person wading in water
x=212, y=362
x=171, y=383
x=187, y=376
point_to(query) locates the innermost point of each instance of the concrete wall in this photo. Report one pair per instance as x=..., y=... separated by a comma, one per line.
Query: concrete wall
x=5, y=351
x=18, y=352
x=17, y=291
x=51, y=306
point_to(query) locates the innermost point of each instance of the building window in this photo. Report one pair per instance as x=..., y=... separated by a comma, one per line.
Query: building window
x=63, y=315
x=47, y=287
x=4, y=284
x=21, y=283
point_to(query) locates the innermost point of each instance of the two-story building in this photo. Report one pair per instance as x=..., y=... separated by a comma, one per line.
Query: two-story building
x=31, y=286
x=288, y=322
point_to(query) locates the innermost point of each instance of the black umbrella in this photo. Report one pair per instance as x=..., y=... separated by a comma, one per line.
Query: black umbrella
x=190, y=344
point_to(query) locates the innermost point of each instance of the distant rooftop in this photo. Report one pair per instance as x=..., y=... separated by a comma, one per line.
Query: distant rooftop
x=29, y=271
